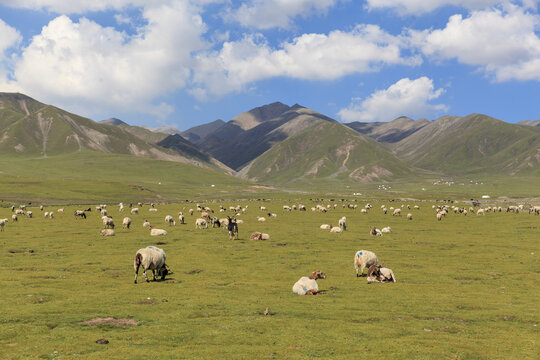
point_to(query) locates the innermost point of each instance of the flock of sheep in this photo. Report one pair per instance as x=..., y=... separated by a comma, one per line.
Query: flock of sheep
x=153, y=258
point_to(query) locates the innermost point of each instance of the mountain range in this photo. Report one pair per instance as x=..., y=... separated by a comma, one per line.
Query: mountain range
x=286, y=145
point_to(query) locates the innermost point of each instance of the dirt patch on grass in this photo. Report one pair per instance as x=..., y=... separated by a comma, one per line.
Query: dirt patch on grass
x=109, y=321
x=195, y=271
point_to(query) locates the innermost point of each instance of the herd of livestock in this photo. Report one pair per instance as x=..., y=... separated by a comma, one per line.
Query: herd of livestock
x=153, y=258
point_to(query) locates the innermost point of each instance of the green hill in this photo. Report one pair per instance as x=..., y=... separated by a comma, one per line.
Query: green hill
x=472, y=144
x=327, y=152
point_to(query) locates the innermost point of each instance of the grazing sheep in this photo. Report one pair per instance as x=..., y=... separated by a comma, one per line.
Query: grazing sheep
x=409, y=216
x=61, y=210
x=29, y=214
x=19, y=212
x=150, y=258
x=170, y=220
x=325, y=227
x=480, y=212
x=134, y=211
x=181, y=219
x=146, y=223
x=108, y=222
x=190, y=211
x=363, y=259
x=375, y=232
x=308, y=285
x=3, y=222
x=200, y=223
x=343, y=223
x=126, y=223
x=14, y=217
x=79, y=214
x=103, y=212
x=215, y=222
x=107, y=232
x=416, y=207
x=396, y=212
x=286, y=208
x=157, y=232
x=41, y=207
x=386, y=229
x=376, y=273
x=51, y=215
x=121, y=207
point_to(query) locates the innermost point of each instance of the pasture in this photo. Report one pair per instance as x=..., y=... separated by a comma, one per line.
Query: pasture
x=467, y=286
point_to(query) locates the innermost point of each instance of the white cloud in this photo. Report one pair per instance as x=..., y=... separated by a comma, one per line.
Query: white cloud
x=9, y=38
x=82, y=65
x=266, y=14
x=425, y=6
x=311, y=57
x=404, y=98
x=503, y=43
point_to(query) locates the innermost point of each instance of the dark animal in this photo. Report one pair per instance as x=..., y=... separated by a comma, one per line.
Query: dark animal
x=233, y=228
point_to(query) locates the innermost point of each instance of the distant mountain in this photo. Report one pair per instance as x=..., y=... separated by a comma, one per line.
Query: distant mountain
x=325, y=151
x=170, y=130
x=474, y=143
x=113, y=121
x=196, y=133
x=389, y=132
x=252, y=133
x=30, y=128
x=530, y=122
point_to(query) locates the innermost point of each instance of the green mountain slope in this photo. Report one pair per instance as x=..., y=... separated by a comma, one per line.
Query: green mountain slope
x=475, y=143
x=389, y=132
x=30, y=128
x=325, y=152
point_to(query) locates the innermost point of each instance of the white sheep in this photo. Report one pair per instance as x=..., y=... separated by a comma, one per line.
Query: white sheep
x=19, y=212
x=150, y=258
x=480, y=212
x=152, y=209
x=343, y=223
x=170, y=220
x=29, y=214
x=126, y=223
x=375, y=232
x=396, y=212
x=14, y=217
x=261, y=219
x=409, y=216
x=308, y=285
x=61, y=210
x=439, y=216
x=157, y=232
x=3, y=222
x=200, y=223
x=134, y=211
x=259, y=236
x=107, y=232
x=335, y=229
x=181, y=219
x=363, y=259
x=146, y=223
x=108, y=222
x=387, y=229
x=325, y=227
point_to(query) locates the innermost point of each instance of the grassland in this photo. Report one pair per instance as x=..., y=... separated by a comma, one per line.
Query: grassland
x=467, y=287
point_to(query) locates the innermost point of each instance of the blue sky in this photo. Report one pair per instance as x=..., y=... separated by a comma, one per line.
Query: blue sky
x=187, y=62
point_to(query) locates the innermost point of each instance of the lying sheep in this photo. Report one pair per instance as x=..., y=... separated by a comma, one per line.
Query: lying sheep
x=377, y=273
x=387, y=229
x=375, y=232
x=326, y=227
x=308, y=285
x=157, y=232
x=259, y=236
x=334, y=229
x=126, y=223
x=170, y=220
x=363, y=259
x=107, y=232
x=150, y=258
x=261, y=219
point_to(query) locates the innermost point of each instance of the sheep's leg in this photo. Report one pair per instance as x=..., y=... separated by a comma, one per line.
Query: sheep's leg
x=145, y=276
x=154, y=274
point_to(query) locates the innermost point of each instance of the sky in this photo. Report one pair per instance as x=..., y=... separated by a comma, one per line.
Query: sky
x=184, y=63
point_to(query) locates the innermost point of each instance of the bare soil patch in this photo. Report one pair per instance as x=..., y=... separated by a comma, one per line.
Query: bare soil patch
x=108, y=321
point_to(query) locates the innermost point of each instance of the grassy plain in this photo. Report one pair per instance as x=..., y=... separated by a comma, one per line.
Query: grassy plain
x=467, y=287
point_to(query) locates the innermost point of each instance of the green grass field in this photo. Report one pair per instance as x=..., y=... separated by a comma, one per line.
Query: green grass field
x=467, y=287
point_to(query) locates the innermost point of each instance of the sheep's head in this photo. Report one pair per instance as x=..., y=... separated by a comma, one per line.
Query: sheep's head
x=318, y=274
x=164, y=271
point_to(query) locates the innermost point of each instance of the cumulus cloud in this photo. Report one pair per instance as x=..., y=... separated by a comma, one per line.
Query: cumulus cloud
x=423, y=6
x=406, y=97
x=9, y=38
x=82, y=65
x=502, y=42
x=310, y=56
x=266, y=14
